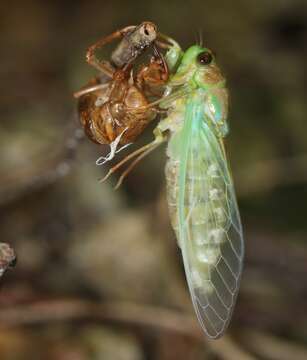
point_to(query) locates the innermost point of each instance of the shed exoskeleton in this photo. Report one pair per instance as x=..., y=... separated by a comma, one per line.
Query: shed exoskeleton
x=114, y=106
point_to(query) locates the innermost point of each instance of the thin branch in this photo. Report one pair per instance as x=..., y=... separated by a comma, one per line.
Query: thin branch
x=267, y=346
x=43, y=169
x=157, y=319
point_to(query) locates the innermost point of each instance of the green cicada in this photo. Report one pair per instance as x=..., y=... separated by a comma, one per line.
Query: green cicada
x=200, y=192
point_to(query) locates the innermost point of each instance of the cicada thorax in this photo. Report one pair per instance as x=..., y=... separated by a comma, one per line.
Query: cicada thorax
x=117, y=109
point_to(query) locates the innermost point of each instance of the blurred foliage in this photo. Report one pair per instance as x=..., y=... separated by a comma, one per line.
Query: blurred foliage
x=77, y=239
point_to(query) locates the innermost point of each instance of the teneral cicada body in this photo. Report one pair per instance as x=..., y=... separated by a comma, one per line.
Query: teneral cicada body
x=200, y=191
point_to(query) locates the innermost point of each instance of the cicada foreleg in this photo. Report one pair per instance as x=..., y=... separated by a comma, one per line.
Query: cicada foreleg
x=90, y=88
x=174, y=52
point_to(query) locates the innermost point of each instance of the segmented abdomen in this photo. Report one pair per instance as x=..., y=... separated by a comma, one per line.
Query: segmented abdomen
x=205, y=202
x=211, y=233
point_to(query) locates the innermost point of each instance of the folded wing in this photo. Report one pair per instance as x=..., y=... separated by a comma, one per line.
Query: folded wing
x=210, y=232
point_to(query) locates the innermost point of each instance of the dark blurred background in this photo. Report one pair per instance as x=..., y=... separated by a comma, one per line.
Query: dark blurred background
x=99, y=275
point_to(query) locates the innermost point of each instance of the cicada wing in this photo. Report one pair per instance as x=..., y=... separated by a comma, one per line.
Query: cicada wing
x=210, y=232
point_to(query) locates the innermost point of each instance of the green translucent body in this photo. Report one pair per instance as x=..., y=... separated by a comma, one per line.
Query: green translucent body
x=200, y=191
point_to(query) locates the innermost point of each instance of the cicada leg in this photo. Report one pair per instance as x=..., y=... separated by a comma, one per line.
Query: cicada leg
x=139, y=154
x=166, y=42
x=89, y=89
x=174, y=52
x=103, y=65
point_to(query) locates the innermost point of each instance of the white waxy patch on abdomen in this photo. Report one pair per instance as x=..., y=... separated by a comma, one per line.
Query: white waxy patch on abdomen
x=200, y=239
x=213, y=171
x=198, y=234
x=220, y=215
x=196, y=278
x=213, y=236
x=216, y=236
x=209, y=255
x=215, y=194
x=199, y=214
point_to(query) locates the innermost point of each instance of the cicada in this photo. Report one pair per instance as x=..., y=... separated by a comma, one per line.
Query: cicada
x=200, y=191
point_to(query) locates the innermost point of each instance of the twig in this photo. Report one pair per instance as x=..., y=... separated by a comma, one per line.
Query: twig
x=157, y=319
x=43, y=169
x=270, y=347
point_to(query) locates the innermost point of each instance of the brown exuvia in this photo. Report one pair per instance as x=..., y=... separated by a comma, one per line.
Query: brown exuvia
x=115, y=105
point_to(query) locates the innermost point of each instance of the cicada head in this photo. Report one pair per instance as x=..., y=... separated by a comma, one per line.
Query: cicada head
x=199, y=68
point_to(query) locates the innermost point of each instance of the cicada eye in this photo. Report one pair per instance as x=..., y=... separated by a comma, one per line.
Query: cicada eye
x=204, y=58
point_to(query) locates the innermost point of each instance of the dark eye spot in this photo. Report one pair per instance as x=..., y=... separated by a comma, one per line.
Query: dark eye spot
x=204, y=58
